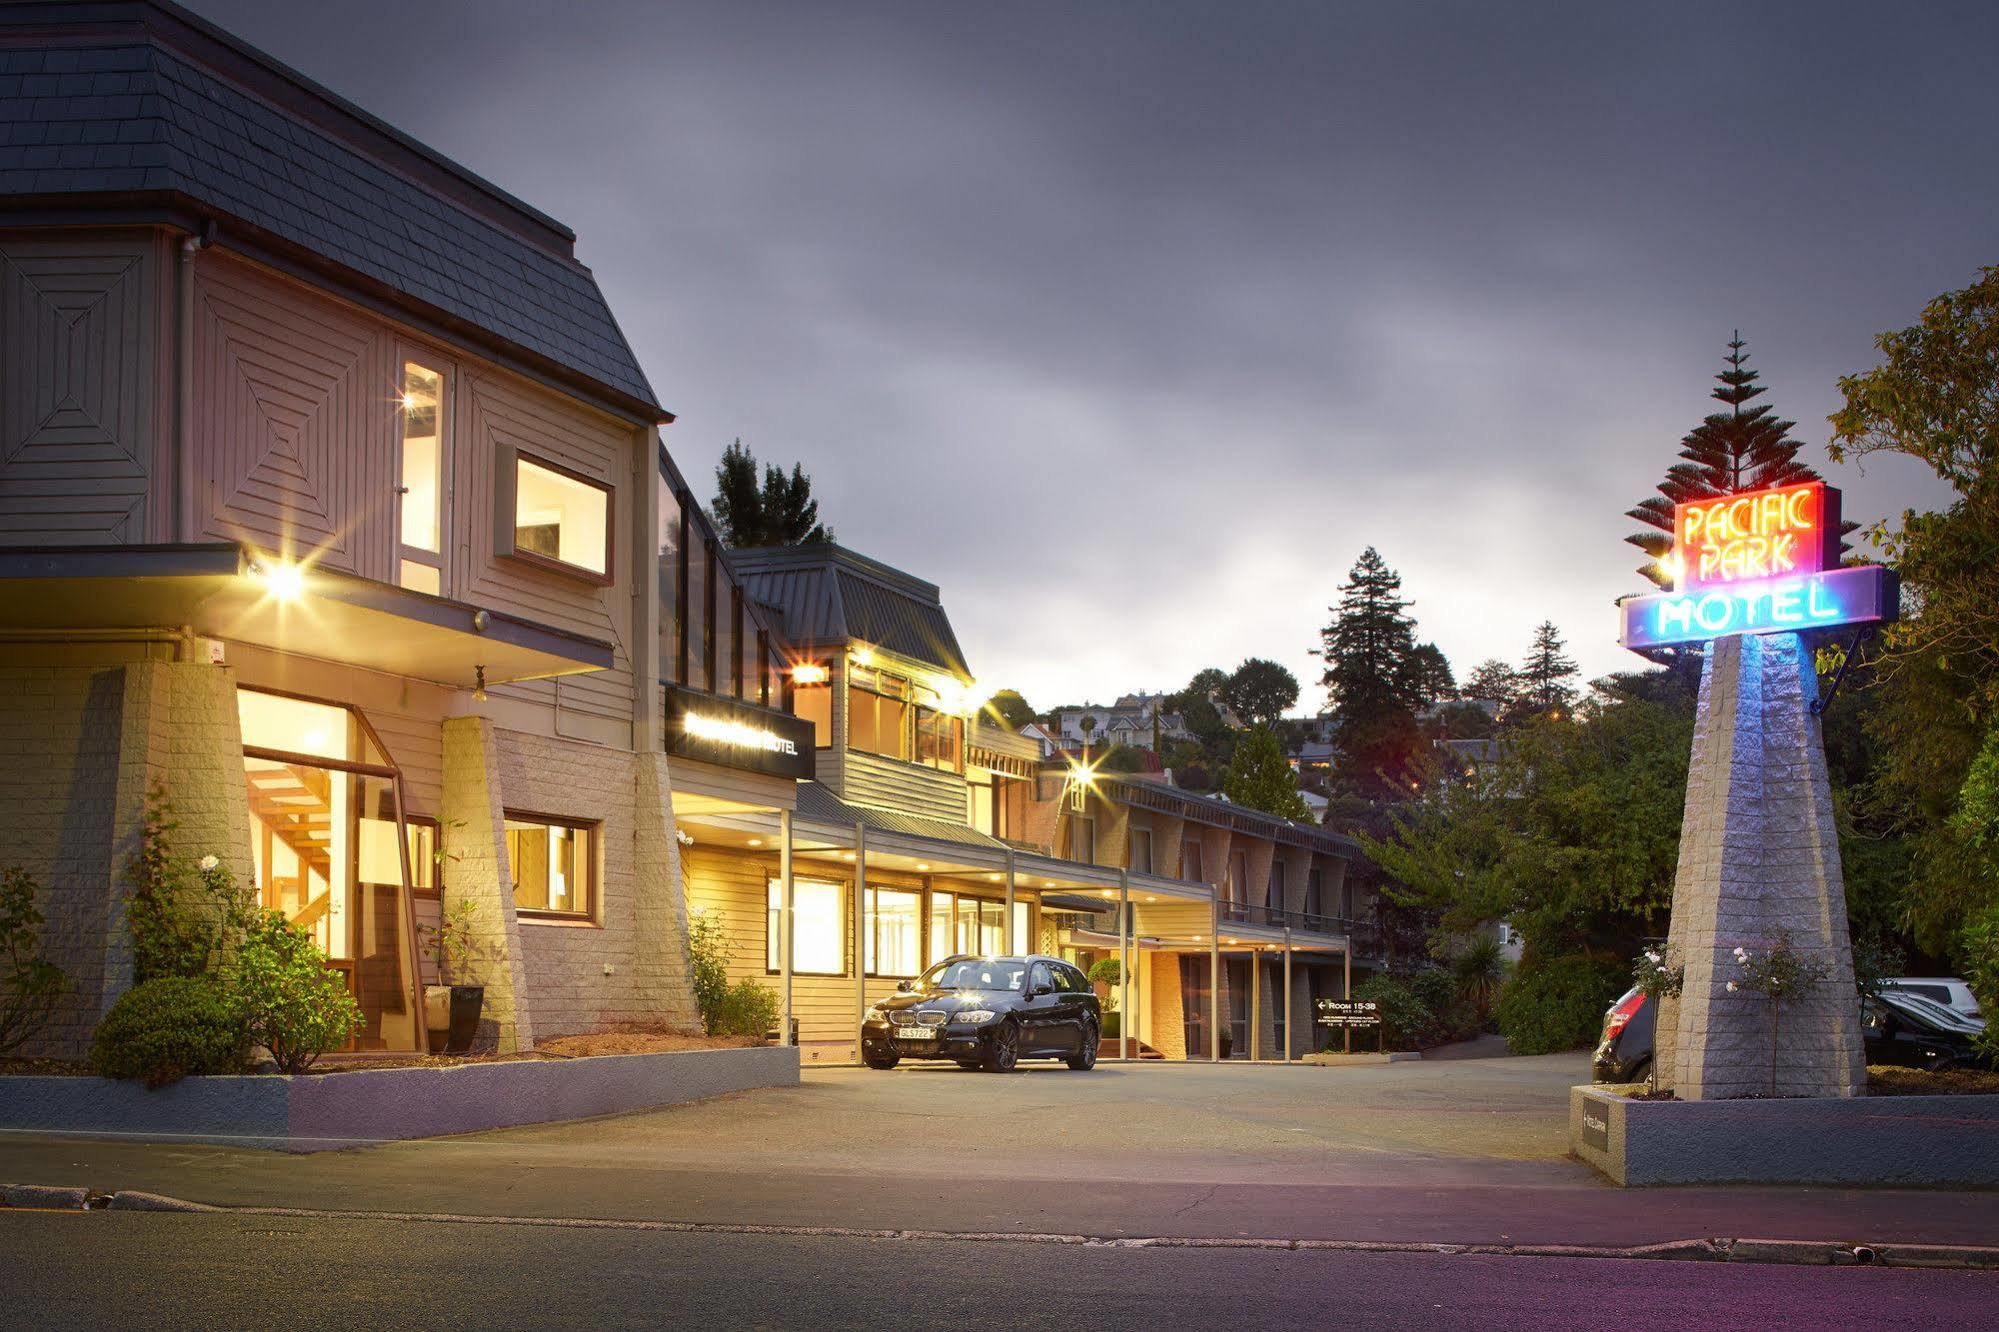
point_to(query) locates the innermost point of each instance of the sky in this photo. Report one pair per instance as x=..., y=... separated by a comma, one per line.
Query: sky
x=1131, y=325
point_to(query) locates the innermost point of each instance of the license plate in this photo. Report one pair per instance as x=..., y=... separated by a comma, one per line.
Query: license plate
x=916, y=1033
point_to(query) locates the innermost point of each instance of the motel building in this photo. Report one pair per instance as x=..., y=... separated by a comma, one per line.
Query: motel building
x=927, y=830
x=334, y=509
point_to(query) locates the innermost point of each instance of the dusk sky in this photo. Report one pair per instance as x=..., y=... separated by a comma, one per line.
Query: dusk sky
x=1131, y=325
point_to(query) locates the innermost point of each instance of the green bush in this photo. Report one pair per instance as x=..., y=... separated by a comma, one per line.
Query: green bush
x=747, y=1009
x=169, y=1028
x=1406, y=1021
x=184, y=914
x=289, y=1002
x=1557, y=1003
x=29, y=982
x=708, y=956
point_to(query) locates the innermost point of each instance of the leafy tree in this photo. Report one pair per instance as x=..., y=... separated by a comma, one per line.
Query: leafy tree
x=1259, y=691
x=1493, y=681
x=1261, y=778
x=1367, y=649
x=1729, y=451
x=1202, y=716
x=1547, y=677
x=1011, y=708
x=780, y=512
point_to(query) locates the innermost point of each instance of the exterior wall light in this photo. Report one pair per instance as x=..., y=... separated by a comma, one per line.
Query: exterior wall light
x=281, y=578
x=809, y=673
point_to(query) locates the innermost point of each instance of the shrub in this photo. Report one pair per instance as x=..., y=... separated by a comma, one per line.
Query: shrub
x=747, y=1009
x=288, y=1001
x=29, y=982
x=708, y=958
x=183, y=914
x=1405, y=1019
x=1557, y=1003
x=168, y=1028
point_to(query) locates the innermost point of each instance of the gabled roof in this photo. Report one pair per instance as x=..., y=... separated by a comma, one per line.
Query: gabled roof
x=135, y=102
x=829, y=595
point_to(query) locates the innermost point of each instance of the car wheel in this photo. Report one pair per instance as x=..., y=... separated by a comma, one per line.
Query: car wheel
x=880, y=1058
x=1085, y=1059
x=1004, y=1050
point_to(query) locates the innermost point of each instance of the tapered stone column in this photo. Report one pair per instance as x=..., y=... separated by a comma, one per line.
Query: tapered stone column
x=1759, y=857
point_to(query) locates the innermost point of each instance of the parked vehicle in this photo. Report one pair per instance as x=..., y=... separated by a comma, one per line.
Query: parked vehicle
x=988, y=1012
x=1949, y=991
x=1625, y=1052
x=1900, y=1027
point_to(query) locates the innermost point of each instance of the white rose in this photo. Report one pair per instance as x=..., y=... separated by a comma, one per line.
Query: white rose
x=209, y=862
x=1731, y=987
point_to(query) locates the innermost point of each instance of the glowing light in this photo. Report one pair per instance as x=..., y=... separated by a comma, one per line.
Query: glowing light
x=1763, y=534
x=1863, y=595
x=281, y=578
x=922, y=865
x=736, y=734
x=846, y=855
x=809, y=673
x=995, y=877
x=756, y=841
x=863, y=655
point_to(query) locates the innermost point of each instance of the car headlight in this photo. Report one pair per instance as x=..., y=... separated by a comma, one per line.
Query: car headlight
x=876, y=1014
x=975, y=1015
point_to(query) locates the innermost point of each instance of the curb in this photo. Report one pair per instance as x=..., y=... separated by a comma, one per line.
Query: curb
x=1793, y=1253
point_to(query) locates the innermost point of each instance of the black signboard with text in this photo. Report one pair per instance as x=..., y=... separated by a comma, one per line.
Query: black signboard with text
x=1349, y=1013
x=735, y=734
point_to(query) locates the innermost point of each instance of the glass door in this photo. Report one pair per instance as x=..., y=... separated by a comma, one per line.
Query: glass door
x=1194, y=1004
x=328, y=848
x=1238, y=1006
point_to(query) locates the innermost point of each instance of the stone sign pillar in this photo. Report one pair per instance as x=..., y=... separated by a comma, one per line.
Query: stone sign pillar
x=1759, y=859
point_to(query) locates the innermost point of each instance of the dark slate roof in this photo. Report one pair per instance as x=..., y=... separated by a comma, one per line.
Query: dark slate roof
x=107, y=119
x=829, y=594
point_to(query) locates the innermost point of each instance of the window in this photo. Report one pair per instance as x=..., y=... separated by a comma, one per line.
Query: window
x=1273, y=891
x=1023, y=932
x=1141, y=850
x=1190, y=861
x=818, y=928
x=421, y=489
x=561, y=518
x=940, y=740
x=1238, y=891
x=961, y=924
x=877, y=722
x=672, y=552
x=895, y=939
x=1315, y=892
x=554, y=866
x=1082, y=839
x=425, y=858
x=814, y=703
x=1038, y=979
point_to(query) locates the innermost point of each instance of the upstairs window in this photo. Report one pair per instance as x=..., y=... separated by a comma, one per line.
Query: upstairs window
x=940, y=740
x=877, y=723
x=420, y=563
x=562, y=519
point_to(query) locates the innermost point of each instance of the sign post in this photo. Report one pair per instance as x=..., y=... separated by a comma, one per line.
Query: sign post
x=1347, y=1014
x=1759, y=852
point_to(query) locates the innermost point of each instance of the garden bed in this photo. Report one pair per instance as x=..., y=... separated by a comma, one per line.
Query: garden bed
x=369, y=1103
x=1913, y=1138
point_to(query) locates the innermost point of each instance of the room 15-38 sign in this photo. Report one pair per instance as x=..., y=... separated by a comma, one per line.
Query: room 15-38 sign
x=1766, y=561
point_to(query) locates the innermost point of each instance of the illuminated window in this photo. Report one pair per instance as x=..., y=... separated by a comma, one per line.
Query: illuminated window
x=421, y=496
x=894, y=940
x=1023, y=937
x=554, y=865
x=561, y=518
x=425, y=857
x=940, y=740
x=814, y=703
x=818, y=928
x=878, y=723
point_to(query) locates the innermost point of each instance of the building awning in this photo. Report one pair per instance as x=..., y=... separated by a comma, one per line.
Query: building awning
x=224, y=591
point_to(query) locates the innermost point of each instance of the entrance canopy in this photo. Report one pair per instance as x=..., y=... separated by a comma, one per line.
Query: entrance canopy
x=232, y=592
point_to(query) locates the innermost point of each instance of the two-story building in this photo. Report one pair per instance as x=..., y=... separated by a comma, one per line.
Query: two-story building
x=333, y=509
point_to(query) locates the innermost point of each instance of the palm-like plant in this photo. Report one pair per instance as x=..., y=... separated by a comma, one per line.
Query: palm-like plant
x=1480, y=969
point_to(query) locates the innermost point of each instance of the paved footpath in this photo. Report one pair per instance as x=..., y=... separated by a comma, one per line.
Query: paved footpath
x=1466, y=1153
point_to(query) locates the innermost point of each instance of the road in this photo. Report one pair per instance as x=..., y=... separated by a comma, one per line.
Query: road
x=86, y=1270
x=1465, y=1152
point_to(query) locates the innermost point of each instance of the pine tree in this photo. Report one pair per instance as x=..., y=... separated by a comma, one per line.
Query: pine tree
x=779, y=512
x=1428, y=677
x=1728, y=452
x=1368, y=648
x=1547, y=677
x=1260, y=778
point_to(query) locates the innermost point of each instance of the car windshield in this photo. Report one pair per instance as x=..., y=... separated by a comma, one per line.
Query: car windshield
x=977, y=973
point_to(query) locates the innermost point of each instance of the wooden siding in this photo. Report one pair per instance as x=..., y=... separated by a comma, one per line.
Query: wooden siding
x=908, y=788
x=80, y=390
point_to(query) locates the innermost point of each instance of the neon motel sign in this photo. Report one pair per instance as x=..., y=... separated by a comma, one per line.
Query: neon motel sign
x=1758, y=563
x=737, y=734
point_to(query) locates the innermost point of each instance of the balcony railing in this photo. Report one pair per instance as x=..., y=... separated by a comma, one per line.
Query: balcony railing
x=1364, y=935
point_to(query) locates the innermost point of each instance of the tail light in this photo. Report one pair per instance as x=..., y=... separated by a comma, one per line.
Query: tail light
x=1620, y=1015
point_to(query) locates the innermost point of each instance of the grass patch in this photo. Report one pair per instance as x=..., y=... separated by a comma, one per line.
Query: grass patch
x=1890, y=1080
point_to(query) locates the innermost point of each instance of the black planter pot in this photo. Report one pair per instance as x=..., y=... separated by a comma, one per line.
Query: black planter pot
x=466, y=1003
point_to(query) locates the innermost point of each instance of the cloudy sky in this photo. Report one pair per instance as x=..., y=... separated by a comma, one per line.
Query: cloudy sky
x=1132, y=324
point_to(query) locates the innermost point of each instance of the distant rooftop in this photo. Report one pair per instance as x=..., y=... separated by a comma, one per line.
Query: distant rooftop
x=121, y=106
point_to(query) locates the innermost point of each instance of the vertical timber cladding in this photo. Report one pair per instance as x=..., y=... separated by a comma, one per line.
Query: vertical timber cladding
x=734, y=734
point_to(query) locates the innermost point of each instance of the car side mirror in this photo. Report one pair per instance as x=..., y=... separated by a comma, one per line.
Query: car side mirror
x=904, y=987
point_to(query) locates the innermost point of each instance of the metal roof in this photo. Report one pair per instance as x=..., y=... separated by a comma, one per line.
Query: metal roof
x=146, y=118
x=828, y=594
x=1227, y=814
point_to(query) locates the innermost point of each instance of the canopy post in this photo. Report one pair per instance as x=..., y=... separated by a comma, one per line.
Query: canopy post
x=1214, y=980
x=1013, y=945
x=860, y=934
x=1289, y=1035
x=784, y=925
x=1124, y=1022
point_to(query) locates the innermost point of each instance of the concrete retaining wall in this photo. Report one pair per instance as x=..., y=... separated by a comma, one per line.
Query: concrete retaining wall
x=1886, y=1140
x=320, y=1112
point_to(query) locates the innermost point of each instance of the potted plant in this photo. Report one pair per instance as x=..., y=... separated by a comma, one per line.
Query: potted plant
x=1106, y=974
x=451, y=1010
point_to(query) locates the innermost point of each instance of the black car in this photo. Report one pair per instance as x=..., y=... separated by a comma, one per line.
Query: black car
x=987, y=1012
x=1625, y=1052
